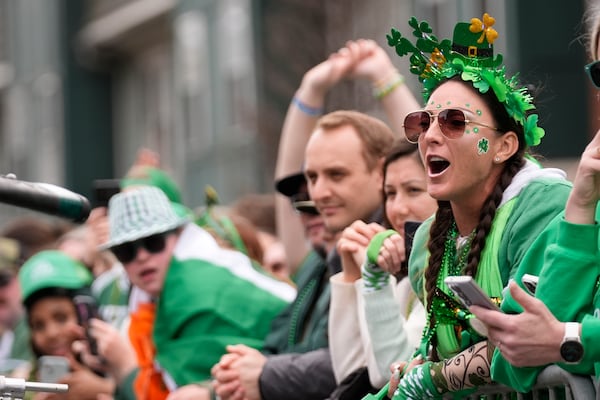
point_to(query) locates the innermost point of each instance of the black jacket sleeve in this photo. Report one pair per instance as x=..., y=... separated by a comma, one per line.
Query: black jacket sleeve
x=297, y=376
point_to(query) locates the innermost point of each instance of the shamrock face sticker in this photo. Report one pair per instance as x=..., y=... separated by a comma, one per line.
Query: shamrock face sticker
x=483, y=146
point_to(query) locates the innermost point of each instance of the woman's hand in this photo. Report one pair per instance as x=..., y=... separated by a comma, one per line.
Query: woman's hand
x=581, y=205
x=352, y=247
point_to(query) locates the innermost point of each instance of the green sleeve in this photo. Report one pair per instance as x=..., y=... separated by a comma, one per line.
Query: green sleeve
x=124, y=391
x=590, y=332
x=536, y=208
x=419, y=257
x=571, y=262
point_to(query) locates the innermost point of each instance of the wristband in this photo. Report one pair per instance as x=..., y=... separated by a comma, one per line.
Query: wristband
x=382, y=89
x=376, y=243
x=306, y=109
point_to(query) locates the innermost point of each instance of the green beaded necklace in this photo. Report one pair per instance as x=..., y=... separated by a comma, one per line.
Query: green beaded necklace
x=445, y=309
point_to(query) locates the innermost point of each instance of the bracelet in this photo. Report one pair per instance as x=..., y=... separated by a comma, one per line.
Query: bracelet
x=306, y=109
x=382, y=90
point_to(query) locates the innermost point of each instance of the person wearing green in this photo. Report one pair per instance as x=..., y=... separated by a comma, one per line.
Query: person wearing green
x=560, y=324
x=50, y=282
x=203, y=297
x=474, y=135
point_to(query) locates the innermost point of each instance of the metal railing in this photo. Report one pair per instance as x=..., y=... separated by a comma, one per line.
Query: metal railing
x=552, y=383
x=15, y=388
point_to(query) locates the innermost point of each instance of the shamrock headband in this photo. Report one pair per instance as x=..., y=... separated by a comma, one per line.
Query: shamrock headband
x=470, y=55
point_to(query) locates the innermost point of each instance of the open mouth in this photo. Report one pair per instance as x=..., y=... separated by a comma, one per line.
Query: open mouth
x=437, y=165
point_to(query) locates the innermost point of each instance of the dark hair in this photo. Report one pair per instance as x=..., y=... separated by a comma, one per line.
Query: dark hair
x=444, y=218
x=51, y=292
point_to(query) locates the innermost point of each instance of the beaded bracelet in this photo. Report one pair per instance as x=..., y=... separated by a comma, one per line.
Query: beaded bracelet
x=306, y=109
x=380, y=91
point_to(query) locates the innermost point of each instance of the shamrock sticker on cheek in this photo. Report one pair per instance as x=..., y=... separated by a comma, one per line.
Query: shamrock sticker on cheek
x=483, y=146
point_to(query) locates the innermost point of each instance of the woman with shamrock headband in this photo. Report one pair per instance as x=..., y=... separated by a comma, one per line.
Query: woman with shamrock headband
x=474, y=135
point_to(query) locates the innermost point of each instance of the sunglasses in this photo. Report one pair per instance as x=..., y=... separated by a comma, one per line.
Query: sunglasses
x=127, y=252
x=593, y=71
x=302, y=203
x=452, y=122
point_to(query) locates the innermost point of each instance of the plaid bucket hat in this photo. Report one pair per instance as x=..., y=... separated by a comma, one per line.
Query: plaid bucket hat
x=139, y=213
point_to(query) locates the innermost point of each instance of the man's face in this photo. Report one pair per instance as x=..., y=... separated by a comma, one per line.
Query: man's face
x=11, y=308
x=339, y=181
x=148, y=269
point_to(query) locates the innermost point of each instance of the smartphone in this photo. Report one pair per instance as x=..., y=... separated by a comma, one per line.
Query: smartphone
x=469, y=292
x=87, y=308
x=52, y=368
x=410, y=228
x=103, y=190
x=530, y=283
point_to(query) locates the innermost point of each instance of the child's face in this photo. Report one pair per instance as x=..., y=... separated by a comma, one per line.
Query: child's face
x=149, y=269
x=53, y=322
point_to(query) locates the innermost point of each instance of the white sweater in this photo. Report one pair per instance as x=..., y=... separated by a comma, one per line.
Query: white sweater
x=373, y=329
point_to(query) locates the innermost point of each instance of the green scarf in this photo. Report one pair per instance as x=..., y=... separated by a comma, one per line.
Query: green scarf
x=488, y=277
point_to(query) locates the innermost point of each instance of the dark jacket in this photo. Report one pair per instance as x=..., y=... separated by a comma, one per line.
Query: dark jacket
x=302, y=325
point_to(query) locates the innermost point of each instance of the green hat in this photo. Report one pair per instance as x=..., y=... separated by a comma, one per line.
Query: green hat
x=139, y=213
x=469, y=56
x=52, y=268
x=146, y=175
x=472, y=41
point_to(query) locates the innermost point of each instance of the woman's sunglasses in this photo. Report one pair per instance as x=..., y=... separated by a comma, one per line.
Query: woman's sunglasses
x=593, y=71
x=127, y=252
x=452, y=123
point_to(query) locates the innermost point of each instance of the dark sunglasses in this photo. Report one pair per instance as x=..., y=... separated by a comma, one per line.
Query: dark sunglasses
x=127, y=252
x=302, y=203
x=452, y=123
x=593, y=71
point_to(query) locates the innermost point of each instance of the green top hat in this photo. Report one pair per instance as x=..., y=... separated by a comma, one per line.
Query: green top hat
x=475, y=41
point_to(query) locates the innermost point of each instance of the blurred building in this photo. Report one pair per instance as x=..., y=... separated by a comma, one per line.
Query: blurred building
x=206, y=83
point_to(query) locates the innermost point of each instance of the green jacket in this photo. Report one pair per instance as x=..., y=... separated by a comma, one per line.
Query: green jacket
x=565, y=256
x=537, y=202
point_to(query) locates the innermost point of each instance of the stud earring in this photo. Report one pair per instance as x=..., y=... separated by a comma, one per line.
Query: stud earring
x=497, y=159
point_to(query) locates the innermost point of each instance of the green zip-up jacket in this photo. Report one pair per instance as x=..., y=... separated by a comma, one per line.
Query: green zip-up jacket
x=565, y=256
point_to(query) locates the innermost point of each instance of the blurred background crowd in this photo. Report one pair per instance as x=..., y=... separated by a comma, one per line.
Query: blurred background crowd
x=206, y=83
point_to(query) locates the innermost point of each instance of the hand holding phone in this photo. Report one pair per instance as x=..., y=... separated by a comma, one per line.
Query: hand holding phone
x=52, y=368
x=470, y=293
x=87, y=308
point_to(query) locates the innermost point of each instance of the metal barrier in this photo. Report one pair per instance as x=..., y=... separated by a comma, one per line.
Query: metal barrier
x=15, y=388
x=552, y=383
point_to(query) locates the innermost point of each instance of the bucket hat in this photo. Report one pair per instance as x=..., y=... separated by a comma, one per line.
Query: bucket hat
x=139, y=213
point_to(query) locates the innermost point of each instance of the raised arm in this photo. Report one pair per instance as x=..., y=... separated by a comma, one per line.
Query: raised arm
x=581, y=206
